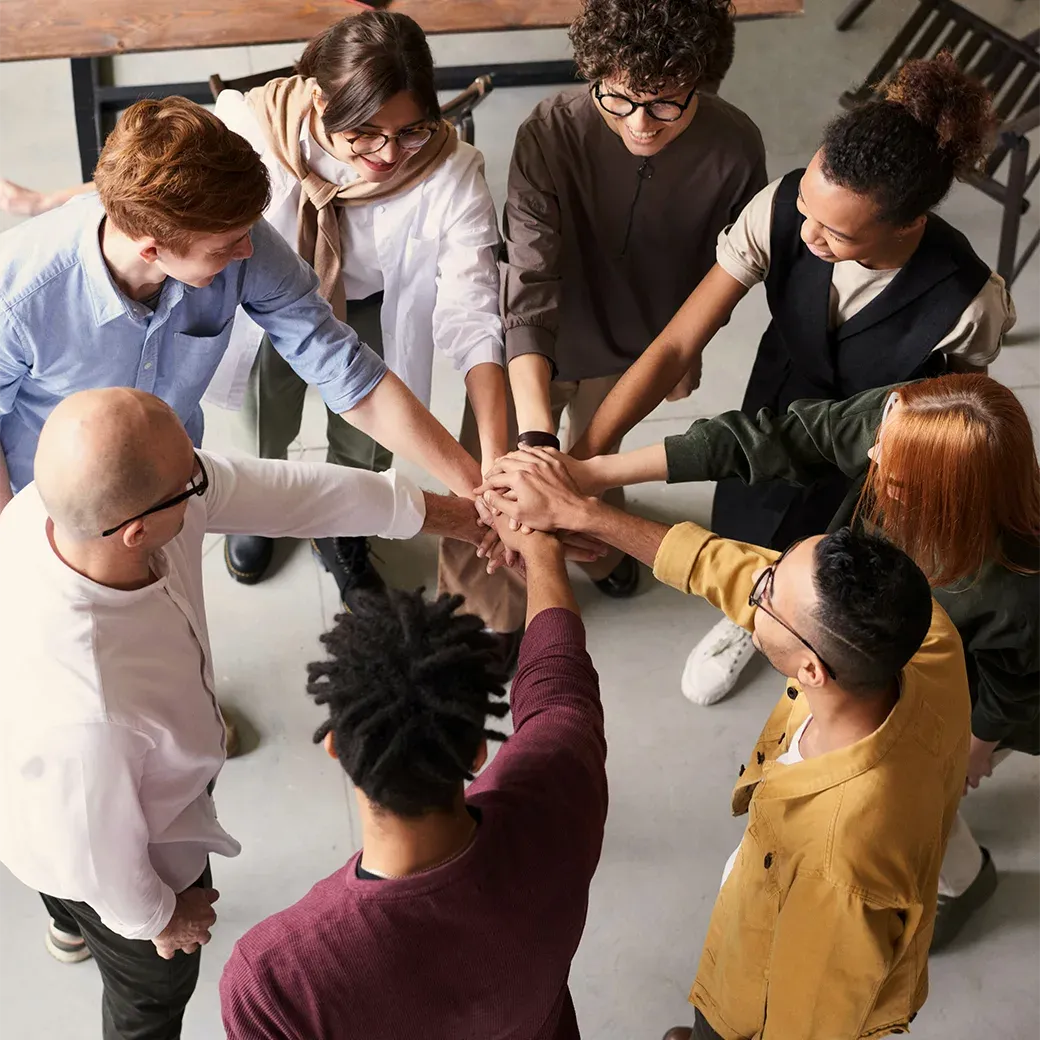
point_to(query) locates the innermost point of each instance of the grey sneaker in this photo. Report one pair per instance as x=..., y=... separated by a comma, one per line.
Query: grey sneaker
x=65, y=946
x=954, y=911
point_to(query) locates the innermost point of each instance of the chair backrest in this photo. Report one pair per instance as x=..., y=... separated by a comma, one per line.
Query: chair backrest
x=459, y=110
x=1009, y=68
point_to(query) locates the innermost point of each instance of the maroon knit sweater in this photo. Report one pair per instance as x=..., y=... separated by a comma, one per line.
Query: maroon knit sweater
x=480, y=948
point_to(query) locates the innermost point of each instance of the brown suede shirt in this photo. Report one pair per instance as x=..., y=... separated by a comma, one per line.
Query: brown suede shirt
x=601, y=246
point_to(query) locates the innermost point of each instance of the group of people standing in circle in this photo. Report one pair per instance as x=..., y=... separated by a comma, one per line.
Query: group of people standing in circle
x=330, y=229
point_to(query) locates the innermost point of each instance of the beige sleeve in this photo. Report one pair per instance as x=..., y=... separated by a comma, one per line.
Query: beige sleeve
x=743, y=248
x=977, y=336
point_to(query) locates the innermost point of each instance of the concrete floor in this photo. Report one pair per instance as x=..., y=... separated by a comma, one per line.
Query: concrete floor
x=671, y=765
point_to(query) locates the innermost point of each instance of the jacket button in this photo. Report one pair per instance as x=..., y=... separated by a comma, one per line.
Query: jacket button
x=761, y=758
x=768, y=861
x=741, y=771
x=792, y=692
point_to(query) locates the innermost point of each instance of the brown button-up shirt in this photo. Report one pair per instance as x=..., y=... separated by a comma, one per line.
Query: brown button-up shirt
x=601, y=246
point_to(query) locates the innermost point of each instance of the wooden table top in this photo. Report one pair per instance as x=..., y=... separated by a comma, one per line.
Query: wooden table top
x=32, y=29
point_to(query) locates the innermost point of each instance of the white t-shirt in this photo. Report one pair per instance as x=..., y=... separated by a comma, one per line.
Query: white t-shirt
x=792, y=756
x=743, y=253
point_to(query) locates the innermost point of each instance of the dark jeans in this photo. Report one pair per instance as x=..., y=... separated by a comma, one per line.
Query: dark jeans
x=144, y=996
x=701, y=1029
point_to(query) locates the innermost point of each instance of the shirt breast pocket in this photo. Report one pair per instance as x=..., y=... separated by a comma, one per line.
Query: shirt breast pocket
x=203, y=343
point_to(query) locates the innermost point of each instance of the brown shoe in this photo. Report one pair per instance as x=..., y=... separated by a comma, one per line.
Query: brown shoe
x=679, y=1033
x=231, y=745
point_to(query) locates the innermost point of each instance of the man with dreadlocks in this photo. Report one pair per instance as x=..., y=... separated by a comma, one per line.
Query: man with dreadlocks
x=459, y=917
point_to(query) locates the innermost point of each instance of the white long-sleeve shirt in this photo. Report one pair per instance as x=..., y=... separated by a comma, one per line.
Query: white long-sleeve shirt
x=109, y=726
x=432, y=250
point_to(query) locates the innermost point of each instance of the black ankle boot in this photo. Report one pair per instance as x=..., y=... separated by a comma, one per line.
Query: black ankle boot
x=349, y=562
x=247, y=557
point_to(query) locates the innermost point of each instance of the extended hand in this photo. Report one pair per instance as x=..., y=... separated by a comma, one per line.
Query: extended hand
x=533, y=487
x=980, y=761
x=189, y=927
x=688, y=383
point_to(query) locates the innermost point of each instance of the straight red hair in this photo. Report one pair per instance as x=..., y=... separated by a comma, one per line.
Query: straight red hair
x=957, y=473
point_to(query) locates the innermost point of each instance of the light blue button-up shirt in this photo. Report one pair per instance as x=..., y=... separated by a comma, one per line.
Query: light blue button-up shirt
x=66, y=326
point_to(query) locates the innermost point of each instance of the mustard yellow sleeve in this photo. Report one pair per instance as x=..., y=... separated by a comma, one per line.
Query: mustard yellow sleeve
x=832, y=952
x=693, y=560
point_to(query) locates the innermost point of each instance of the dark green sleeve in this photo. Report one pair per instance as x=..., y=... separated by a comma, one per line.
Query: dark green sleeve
x=1007, y=704
x=808, y=440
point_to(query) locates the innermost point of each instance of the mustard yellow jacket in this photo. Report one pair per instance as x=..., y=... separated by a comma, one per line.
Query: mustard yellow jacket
x=821, y=931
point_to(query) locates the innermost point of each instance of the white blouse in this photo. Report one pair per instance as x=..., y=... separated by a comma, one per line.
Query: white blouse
x=433, y=250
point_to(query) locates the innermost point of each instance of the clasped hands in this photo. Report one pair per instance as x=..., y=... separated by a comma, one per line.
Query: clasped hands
x=536, y=489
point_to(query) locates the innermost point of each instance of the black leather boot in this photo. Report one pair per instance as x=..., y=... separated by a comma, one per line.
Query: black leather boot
x=247, y=557
x=349, y=562
x=622, y=581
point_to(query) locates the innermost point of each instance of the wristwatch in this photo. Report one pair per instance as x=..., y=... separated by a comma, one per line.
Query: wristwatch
x=538, y=439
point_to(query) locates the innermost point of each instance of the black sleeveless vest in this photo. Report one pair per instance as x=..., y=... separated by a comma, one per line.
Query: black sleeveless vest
x=888, y=341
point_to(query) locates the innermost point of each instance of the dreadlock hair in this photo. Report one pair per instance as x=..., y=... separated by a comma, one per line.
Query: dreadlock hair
x=409, y=685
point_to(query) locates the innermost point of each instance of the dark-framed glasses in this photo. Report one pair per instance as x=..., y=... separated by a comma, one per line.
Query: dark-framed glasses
x=763, y=589
x=196, y=486
x=410, y=140
x=662, y=111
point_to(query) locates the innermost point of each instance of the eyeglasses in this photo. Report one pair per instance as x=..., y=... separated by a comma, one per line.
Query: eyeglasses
x=662, y=111
x=407, y=140
x=196, y=486
x=763, y=588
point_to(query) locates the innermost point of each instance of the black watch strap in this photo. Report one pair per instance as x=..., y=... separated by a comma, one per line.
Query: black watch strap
x=538, y=439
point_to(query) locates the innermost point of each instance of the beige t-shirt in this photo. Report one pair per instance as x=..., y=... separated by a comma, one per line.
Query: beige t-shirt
x=743, y=253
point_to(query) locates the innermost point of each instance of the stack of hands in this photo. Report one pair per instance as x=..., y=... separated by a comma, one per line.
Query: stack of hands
x=536, y=489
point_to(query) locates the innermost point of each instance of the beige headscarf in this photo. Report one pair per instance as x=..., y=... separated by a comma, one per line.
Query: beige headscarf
x=281, y=107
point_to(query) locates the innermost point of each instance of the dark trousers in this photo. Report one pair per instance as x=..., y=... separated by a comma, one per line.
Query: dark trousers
x=144, y=996
x=701, y=1029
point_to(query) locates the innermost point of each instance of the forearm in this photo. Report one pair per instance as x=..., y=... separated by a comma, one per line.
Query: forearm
x=450, y=517
x=547, y=583
x=486, y=389
x=634, y=535
x=630, y=467
x=394, y=416
x=57, y=198
x=529, y=378
x=646, y=383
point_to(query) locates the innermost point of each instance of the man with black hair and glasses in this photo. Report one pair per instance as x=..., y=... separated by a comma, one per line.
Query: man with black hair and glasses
x=617, y=193
x=822, y=925
x=110, y=736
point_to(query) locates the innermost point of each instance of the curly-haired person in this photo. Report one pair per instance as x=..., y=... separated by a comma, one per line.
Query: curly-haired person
x=461, y=913
x=865, y=286
x=617, y=192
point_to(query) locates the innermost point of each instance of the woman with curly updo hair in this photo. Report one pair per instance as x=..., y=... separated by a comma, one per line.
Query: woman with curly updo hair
x=866, y=287
x=617, y=193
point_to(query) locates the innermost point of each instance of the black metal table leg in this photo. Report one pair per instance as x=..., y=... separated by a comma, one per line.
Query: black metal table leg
x=88, y=112
x=848, y=17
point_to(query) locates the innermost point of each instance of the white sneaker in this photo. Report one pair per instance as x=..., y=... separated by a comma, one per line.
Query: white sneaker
x=715, y=663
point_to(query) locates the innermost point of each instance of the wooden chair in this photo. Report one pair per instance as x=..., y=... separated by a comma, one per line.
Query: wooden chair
x=459, y=110
x=1010, y=69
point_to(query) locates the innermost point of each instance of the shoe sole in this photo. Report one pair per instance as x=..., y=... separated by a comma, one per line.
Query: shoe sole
x=66, y=955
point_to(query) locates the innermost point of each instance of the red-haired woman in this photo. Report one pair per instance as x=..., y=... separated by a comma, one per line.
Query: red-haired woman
x=947, y=469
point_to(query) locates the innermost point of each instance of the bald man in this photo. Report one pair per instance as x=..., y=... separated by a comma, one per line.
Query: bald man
x=110, y=736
